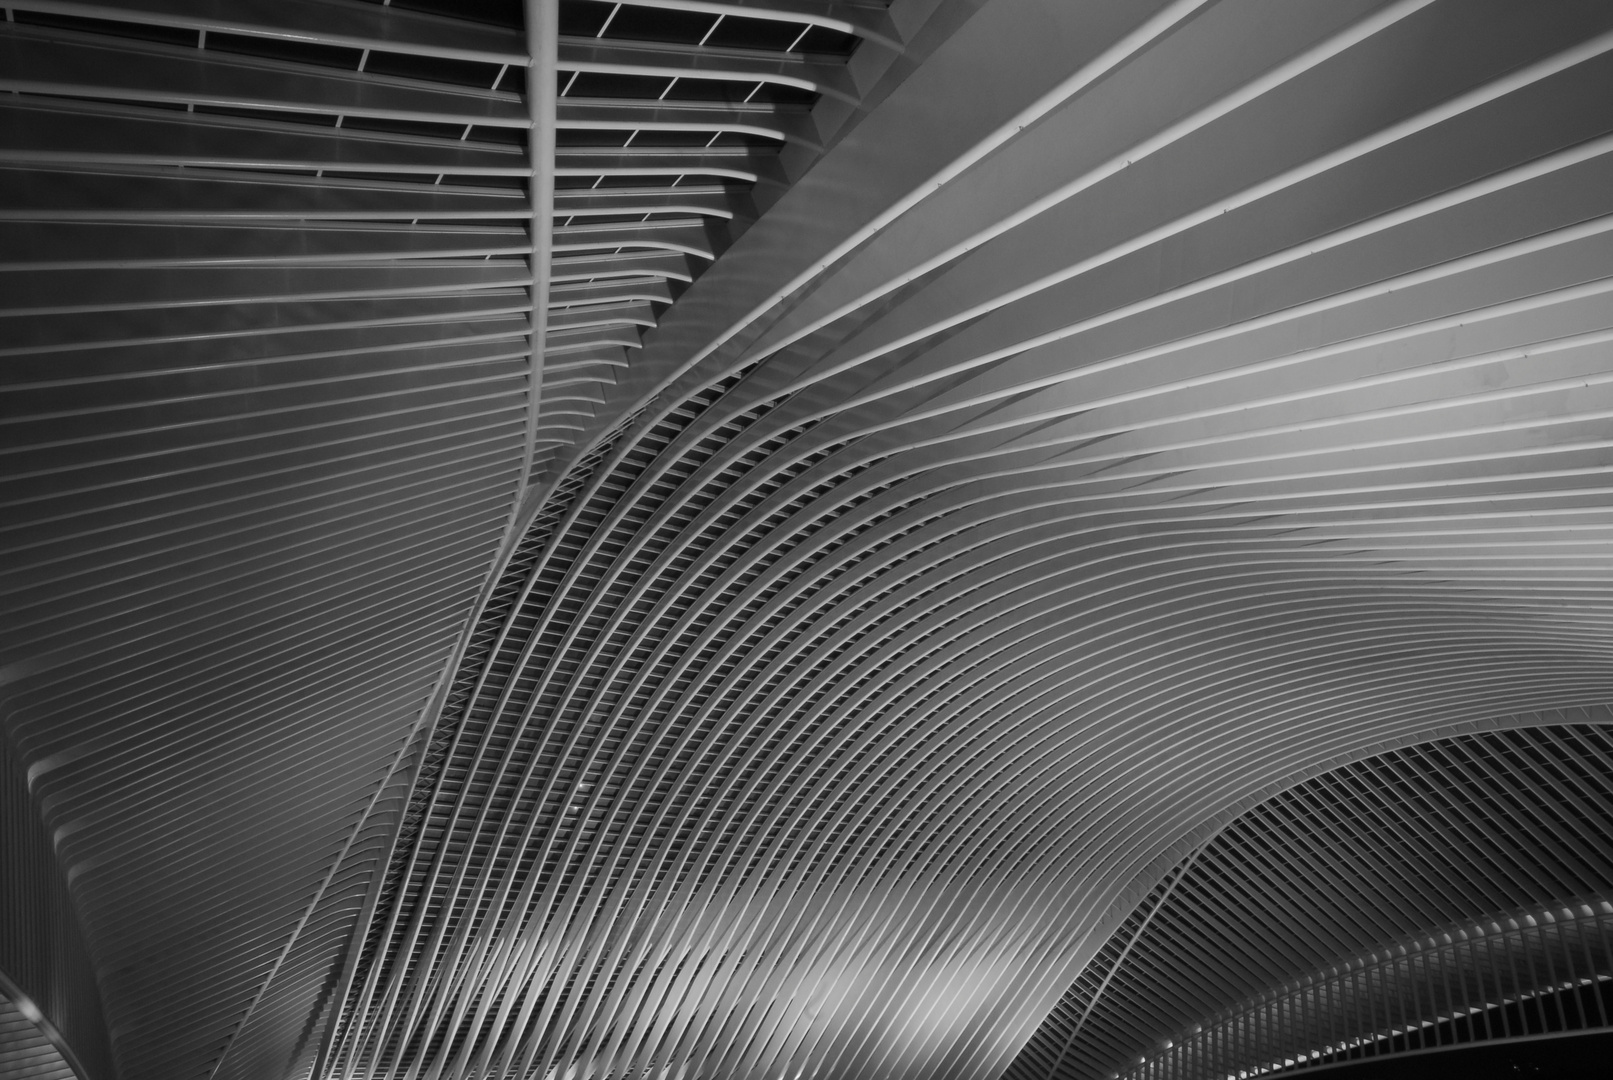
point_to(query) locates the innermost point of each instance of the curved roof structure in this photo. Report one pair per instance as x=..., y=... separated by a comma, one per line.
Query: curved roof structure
x=817, y=539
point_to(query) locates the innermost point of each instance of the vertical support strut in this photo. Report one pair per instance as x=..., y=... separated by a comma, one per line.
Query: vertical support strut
x=542, y=41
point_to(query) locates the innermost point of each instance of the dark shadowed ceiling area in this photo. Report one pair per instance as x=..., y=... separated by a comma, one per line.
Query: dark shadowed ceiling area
x=803, y=539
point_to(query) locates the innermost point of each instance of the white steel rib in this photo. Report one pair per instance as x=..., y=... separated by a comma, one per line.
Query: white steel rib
x=808, y=539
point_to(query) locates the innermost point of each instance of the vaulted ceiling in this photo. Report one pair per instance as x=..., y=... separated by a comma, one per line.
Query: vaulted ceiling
x=802, y=538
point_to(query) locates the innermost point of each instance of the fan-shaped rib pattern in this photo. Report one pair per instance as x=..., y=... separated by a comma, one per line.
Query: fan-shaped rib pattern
x=1447, y=892
x=1041, y=475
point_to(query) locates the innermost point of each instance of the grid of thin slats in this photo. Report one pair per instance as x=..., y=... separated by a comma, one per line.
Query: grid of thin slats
x=1445, y=893
x=265, y=331
x=25, y=1052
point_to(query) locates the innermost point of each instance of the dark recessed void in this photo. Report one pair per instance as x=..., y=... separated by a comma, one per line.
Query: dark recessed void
x=806, y=540
x=1584, y=1057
